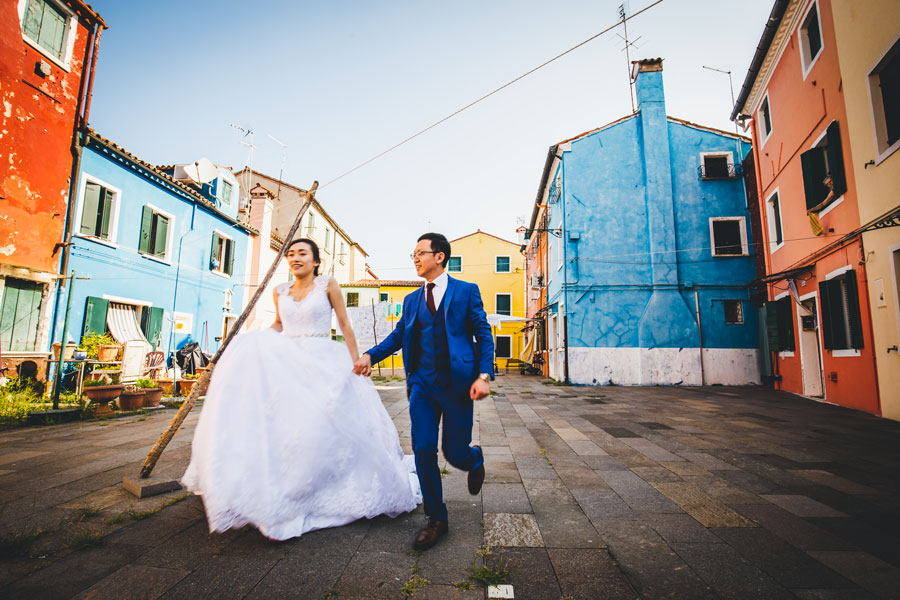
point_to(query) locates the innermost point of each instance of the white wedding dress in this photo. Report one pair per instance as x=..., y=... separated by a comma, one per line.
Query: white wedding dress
x=289, y=439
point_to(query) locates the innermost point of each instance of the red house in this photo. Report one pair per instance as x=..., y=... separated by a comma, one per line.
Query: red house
x=48, y=49
x=819, y=325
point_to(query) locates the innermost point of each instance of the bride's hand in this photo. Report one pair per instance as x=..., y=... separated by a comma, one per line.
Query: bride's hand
x=363, y=365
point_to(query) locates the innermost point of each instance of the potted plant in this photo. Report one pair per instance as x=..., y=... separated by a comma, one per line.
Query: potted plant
x=102, y=393
x=131, y=398
x=187, y=383
x=152, y=392
x=167, y=386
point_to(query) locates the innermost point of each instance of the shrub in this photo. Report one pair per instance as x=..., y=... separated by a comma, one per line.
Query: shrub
x=145, y=382
x=90, y=342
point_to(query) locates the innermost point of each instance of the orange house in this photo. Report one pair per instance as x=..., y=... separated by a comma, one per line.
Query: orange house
x=534, y=248
x=818, y=319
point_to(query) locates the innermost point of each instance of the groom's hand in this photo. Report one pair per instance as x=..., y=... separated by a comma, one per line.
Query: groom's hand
x=480, y=389
x=363, y=365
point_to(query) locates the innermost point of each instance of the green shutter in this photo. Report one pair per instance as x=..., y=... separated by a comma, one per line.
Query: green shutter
x=785, y=310
x=229, y=253
x=836, y=160
x=53, y=30
x=214, y=249
x=20, y=314
x=31, y=24
x=852, y=304
x=162, y=230
x=146, y=224
x=833, y=335
x=106, y=213
x=95, y=315
x=771, y=312
x=813, y=164
x=151, y=324
x=90, y=208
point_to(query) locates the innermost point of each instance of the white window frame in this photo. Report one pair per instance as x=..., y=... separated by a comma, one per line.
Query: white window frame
x=808, y=62
x=311, y=224
x=68, y=42
x=770, y=221
x=786, y=353
x=166, y=260
x=559, y=255
x=220, y=271
x=327, y=244
x=384, y=297
x=460, y=264
x=895, y=279
x=342, y=253
x=112, y=242
x=726, y=153
x=496, y=296
x=823, y=137
x=760, y=121
x=876, y=102
x=846, y=352
x=509, y=337
x=712, y=237
x=506, y=256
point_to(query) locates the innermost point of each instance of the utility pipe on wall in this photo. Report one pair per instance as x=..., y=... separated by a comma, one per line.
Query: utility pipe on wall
x=699, y=335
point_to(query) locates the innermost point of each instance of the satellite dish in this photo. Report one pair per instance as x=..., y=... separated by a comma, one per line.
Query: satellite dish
x=202, y=171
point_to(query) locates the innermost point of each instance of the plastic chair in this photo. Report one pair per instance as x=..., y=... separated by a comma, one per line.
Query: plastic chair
x=153, y=364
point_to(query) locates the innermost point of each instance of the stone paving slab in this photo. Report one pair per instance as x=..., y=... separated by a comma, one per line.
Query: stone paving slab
x=590, y=492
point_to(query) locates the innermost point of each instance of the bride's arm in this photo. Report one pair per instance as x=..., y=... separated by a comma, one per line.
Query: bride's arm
x=340, y=311
x=277, y=324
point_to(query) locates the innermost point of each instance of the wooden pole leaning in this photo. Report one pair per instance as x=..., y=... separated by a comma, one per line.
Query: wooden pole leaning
x=182, y=413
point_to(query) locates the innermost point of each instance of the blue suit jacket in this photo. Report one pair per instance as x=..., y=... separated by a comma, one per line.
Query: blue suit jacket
x=468, y=334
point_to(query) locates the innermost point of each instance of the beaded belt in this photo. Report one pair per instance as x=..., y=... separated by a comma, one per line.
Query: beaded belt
x=301, y=335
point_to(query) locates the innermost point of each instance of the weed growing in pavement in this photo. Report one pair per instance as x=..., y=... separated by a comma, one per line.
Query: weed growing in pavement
x=413, y=553
x=86, y=538
x=484, y=549
x=444, y=471
x=463, y=585
x=86, y=511
x=490, y=575
x=414, y=582
x=137, y=515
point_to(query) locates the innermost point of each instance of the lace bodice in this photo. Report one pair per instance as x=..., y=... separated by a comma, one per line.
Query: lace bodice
x=308, y=317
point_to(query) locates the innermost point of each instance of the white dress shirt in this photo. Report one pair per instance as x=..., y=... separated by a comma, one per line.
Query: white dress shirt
x=440, y=286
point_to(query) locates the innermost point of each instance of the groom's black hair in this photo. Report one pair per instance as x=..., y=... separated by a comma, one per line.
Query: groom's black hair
x=313, y=246
x=439, y=243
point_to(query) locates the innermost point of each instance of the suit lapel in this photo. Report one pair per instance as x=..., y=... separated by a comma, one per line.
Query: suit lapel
x=410, y=315
x=448, y=295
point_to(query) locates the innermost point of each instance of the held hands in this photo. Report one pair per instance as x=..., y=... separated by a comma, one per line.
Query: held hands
x=480, y=389
x=363, y=365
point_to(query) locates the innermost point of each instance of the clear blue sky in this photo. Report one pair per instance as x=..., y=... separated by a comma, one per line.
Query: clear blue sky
x=339, y=82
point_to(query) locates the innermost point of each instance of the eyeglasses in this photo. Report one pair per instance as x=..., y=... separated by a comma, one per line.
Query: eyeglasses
x=416, y=255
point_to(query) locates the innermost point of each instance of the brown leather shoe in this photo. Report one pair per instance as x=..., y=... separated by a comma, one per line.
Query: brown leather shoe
x=476, y=477
x=429, y=536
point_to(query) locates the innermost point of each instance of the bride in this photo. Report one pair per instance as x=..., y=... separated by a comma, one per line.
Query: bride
x=289, y=439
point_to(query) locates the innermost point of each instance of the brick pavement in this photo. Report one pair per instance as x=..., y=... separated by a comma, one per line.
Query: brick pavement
x=610, y=492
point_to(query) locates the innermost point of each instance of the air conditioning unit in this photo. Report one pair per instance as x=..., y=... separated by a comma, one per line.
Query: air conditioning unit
x=537, y=281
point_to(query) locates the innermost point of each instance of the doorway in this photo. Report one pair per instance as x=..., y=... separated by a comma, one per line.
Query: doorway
x=810, y=350
x=553, y=349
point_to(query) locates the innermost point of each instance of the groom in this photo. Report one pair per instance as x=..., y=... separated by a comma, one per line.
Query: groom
x=448, y=355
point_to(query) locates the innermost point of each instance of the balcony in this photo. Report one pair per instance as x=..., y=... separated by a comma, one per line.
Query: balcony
x=714, y=169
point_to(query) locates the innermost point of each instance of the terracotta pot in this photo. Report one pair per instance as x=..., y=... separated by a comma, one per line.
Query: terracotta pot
x=131, y=400
x=185, y=386
x=102, y=395
x=166, y=386
x=108, y=352
x=153, y=396
x=70, y=350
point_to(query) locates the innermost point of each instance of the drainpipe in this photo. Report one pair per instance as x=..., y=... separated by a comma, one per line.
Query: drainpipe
x=175, y=297
x=565, y=270
x=699, y=335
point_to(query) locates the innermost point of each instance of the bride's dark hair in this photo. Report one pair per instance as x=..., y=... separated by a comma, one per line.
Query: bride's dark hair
x=313, y=246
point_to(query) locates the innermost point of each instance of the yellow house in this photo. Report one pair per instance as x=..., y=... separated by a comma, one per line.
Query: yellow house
x=498, y=268
x=868, y=47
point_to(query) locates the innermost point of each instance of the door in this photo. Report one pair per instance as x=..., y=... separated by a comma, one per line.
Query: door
x=810, y=350
x=552, y=348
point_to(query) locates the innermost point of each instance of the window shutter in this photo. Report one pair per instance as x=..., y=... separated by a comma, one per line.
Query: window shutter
x=786, y=324
x=214, y=250
x=53, y=30
x=162, y=229
x=853, y=314
x=20, y=315
x=836, y=159
x=814, y=173
x=771, y=309
x=89, y=209
x=146, y=223
x=833, y=334
x=229, y=253
x=31, y=24
x=95, y=315
x=106, y=213
x=151, y=324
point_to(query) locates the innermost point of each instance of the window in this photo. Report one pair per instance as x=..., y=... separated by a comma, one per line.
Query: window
x=221, y=254
x=503, y=346
x=728, y=235
x=773, y=212
x=226, y=192
x=310, y=224
x=780, y=325
x=455, y=264
x=504, y=304
x=46, y=24
x=352, y=298
x=823, y=170
x=328, y=240
x=99, y=204
x=734, y=313
x=20, y=315
x=810, y=34
x=884, y=91
x=559, y=255
x=154, y=239
x=717, y=165
x=764, y=119
x=383, y=297
x=841, y=322
x=343, y=253
x=501, y=264
x=556, y=190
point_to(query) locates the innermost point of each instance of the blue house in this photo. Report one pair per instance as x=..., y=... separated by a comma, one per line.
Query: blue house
x=649, y=251
x=162, y=250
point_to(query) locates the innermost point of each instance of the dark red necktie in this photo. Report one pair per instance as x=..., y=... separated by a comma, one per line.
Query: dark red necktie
x=429, y=299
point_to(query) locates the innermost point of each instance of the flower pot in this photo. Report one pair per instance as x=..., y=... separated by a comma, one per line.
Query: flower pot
x=70, y=350
x=102, y=395
x=108, y=352
x=166, y=386
x=153, y=396
x=131, y=400
x=185, y=386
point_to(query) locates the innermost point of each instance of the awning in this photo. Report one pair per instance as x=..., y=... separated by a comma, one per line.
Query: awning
x=496, y=320
x=123, y=324
x=528, y=353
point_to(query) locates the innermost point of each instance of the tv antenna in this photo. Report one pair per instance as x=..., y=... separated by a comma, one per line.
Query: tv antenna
x=247, y=133
x=628, y=45
x=281, y=172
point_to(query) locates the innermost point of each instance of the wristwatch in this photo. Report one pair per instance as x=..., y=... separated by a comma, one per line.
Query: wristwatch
x=485, y=377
